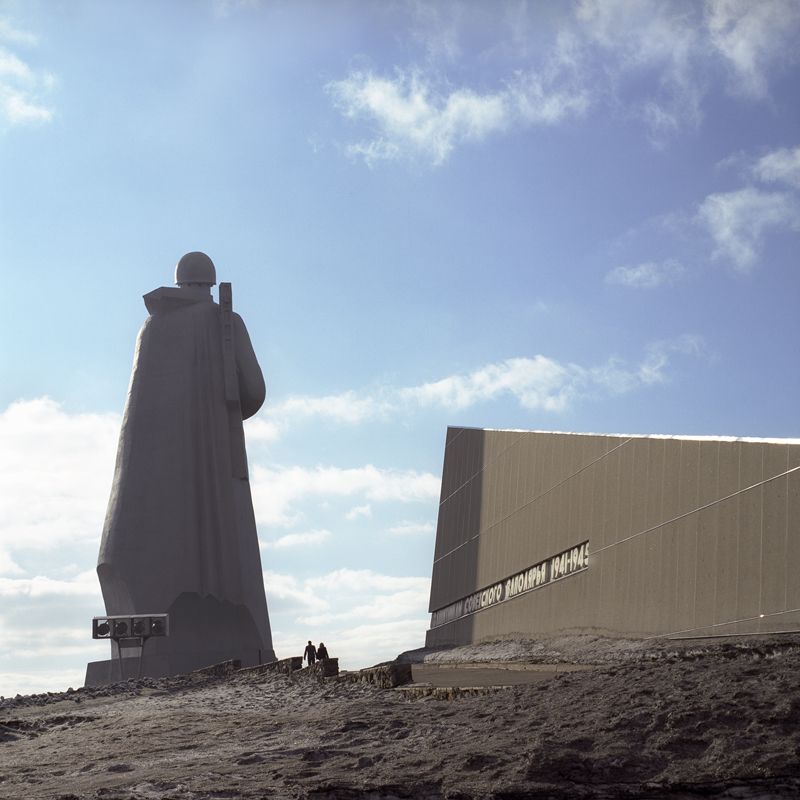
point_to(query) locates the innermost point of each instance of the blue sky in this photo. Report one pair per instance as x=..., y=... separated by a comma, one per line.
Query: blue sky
x=558, y=216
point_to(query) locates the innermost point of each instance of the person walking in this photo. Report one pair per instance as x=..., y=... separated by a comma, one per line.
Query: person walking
x=322, y=652
x=310, y=653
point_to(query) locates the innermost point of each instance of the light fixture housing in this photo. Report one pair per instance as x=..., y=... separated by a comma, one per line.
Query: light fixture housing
x=127, y=626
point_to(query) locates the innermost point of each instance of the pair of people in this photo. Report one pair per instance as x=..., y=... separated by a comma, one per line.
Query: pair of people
x=312, y=654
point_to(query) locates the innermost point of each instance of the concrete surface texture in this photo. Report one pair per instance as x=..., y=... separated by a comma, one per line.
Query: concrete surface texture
x=179, y=534
x=685, y=536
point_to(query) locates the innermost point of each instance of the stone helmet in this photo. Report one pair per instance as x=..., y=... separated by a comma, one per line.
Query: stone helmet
x=195, y=267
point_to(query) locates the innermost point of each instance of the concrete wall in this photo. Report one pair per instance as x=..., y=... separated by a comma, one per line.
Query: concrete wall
x=686, y=536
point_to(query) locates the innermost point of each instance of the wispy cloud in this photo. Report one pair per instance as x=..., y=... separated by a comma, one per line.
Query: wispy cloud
x=410, y=528
x=412, y=118
x=291, y=540
x=752, y=37
x=85, y=584
x=13, y=35
x=262, y=429
x=732, y=227
x=737, y=222
x=649, y=39
x=359, y=511
x=277, y=490
x=649, y=59
x=653, y=368
x=779, y=166
x=23, y=89
x=347, y=594
x=538, y=383
x=345, y=407
x=297, y=594
x=7, y=564
x=648, y=275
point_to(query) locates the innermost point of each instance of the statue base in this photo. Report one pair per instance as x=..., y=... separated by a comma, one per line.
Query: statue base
x=103, y=673
x=202, y=631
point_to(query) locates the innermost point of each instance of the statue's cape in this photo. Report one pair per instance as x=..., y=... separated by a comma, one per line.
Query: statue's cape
x=177, y=520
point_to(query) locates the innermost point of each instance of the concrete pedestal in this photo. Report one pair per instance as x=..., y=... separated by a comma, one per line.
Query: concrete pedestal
x=102, y=673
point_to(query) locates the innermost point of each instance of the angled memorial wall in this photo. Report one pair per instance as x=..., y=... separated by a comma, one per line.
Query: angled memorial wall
x=624, y=535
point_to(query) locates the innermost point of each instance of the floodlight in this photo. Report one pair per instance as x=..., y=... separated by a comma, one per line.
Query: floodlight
x=141, y=626
x=130, y=632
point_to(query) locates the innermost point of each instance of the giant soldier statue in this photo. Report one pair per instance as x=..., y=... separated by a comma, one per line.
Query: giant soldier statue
x=180, y=534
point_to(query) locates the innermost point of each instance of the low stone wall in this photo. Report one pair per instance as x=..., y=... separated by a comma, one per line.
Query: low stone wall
x=326, y=668
x=384, y=676
x=447, y=692
x=221, y=669
x=285, y=666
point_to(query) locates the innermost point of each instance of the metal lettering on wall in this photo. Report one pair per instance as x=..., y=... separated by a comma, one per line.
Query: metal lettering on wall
x=576, y=559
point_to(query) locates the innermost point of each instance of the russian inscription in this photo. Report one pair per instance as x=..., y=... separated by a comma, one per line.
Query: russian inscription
x=559, y=566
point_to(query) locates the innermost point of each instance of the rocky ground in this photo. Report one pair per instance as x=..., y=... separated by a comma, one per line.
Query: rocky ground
x=652, y=720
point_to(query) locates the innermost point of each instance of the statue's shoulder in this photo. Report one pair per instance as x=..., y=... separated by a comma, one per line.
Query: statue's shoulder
x=167, y=299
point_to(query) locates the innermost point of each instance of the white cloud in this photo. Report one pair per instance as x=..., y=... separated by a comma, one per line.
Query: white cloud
x=653, y=368
x=55, y=472
x=436, y=27
x=679, y=47
x=18, y=108
x=737, y=221
x=362, y=616
x=289, y=588
x=14, y=68
x=752, y=36
x=538, y=383
x=359, y=511
x=535, y=102
x=277, y=489
x=651, y=59
x=356, y=581
x=345, y=407
x=8, y=566
x=8, y=33
x=779, y=166
x=22, y=89
x=409, y=528
x=364, y=645
x=85, y=584
x=649, y=38
x=411, y=118
x=299, y=539
x=262, y=429
x=356, y=646
x=379, y=607
x=23, y=642
x=648, y=275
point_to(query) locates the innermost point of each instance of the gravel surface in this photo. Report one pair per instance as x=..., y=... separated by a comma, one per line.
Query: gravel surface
x=653, y=720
